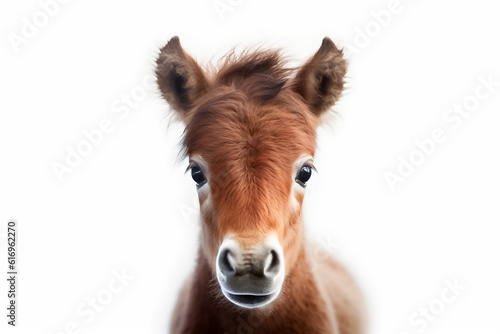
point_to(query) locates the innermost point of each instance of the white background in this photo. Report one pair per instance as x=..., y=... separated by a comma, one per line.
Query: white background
x=129, y=206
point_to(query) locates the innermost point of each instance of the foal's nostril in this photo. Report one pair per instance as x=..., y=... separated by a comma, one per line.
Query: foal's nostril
x=272, y=264
x=226, y=264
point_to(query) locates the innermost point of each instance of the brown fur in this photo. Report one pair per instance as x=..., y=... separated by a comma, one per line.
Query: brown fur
x=250, y=120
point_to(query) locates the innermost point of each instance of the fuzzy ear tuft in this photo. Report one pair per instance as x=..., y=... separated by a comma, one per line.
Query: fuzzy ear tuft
x=320, y=81
x=180, y=78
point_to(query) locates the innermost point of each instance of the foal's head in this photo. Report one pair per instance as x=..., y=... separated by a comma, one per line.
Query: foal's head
x=250, y=137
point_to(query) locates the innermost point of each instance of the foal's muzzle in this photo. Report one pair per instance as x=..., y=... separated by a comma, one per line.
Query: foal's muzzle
x=250, y=277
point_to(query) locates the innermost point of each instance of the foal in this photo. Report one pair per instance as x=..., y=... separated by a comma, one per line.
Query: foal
x=250, y=137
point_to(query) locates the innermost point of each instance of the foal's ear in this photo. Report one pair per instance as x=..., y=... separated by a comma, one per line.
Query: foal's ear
x=179, y=77
x=320, y=80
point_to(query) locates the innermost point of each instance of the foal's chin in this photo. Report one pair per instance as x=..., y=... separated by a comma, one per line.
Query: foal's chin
x=250, y=277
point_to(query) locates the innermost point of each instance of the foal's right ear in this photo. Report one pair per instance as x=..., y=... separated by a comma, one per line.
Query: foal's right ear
x=180, y=78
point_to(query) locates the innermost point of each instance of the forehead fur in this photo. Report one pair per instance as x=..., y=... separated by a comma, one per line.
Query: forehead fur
x=250, y=103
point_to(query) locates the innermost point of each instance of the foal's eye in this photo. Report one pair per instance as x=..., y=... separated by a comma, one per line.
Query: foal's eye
x=197, y=175
x=304, y=175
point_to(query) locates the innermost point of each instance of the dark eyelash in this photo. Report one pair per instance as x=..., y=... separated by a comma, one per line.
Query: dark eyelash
x=191, y=165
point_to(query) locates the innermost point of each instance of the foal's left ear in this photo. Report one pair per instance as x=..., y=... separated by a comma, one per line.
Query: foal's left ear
x=180, y=78
x=320, y=80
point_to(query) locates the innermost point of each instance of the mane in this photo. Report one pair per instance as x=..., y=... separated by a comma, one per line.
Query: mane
x=261, y=74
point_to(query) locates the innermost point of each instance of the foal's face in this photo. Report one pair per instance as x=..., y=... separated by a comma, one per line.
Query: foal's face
x=251, y=165
x=250, y=139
